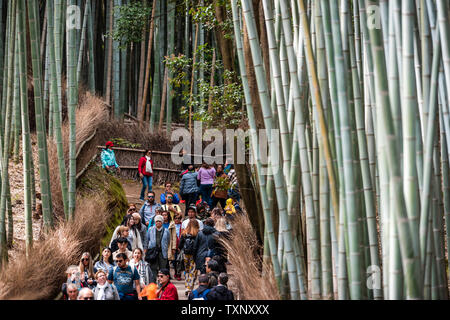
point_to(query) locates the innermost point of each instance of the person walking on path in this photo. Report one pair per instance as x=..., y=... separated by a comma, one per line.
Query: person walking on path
x=205, y=244
x=145, y=169
x=188, y=187
x=192, y=215
x=168, y=189
x=177, y=262
x=167, y=291
x=142, y=267
x=123, y=277
x=221, y=291
x=148, y=210
x=206, y=176
x=122, y=244
x=158, y=240
x=120, y=232
x=220, y=193
x=131, y=209
x=187, y=246
x=170, y=206
x=202, y=290
x=106, y=261
x=140, y=227
x=86, y=267
x=108, y=158
x=104, y=290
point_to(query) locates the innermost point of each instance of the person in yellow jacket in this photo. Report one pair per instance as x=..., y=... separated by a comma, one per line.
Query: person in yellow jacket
x=229, y=208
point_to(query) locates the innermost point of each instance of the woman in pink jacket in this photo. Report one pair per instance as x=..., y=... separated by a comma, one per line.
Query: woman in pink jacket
x=206, y=175
x=145, y=169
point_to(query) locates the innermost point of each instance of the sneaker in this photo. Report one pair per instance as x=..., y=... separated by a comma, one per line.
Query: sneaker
x=178, y=278
x=186, y=293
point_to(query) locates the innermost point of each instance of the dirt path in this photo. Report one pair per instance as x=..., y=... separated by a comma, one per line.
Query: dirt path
x=132, y=191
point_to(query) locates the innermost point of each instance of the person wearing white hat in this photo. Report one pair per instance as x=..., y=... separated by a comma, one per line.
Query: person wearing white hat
x=158, y=239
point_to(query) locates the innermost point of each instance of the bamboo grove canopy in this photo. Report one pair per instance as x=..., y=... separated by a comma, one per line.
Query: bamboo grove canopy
x=359, y=91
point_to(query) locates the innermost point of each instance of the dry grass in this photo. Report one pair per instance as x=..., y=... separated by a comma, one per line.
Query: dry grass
x=40, y=275
x=246, y=264
x=91, y=114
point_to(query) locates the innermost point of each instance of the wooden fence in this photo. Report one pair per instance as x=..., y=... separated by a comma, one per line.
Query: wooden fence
x=164, y=169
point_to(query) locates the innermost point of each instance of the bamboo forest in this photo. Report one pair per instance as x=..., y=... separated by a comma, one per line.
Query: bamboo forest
x=344, y=196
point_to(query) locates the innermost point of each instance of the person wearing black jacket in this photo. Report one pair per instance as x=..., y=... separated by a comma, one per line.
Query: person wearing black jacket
x=221, y=291
x=205, y=244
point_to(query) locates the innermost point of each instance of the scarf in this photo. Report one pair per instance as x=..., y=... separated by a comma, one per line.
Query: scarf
x=101, y=293
x=148, y=165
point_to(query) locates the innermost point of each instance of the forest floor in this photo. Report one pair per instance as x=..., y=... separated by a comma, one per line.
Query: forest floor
x=17, y=202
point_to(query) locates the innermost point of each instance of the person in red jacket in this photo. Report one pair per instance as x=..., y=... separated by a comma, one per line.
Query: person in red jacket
x=167, y=291
x=145, y=169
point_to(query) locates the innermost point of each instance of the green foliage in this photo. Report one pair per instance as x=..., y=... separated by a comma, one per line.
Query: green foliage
x=125, y=143
x=132, y=21
x=206, y=16
x=226, y=98
x=222, y=183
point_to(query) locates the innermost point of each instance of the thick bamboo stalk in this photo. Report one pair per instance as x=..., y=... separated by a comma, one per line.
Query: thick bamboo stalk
x=72, y=102
x=141, y=112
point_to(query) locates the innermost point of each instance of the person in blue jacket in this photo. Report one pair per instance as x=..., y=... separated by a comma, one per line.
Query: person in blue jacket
x=176, y=198
x=108, y=158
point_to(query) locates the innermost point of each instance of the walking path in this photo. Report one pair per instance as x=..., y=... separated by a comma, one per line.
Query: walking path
x=132, y=191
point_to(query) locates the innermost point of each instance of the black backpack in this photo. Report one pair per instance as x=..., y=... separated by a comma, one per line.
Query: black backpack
x=189, y=244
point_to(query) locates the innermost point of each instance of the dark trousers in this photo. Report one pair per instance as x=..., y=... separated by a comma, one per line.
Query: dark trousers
x=159, y=264
x=190, y=199
x=215, y=201
x=206, y=190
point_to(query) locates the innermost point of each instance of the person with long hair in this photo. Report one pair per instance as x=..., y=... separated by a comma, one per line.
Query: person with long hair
x=120, y=232
x=131, y=209
x=104, y=290
x=86, y=267
x=145, y=169
x=140, y=226
x=141, y=266
x=106, y=261
x=187, y=246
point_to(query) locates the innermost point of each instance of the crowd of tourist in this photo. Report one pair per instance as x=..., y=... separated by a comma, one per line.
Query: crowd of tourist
x=160, y=242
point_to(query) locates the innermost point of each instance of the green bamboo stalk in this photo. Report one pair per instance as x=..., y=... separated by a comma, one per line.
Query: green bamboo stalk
x=278, y=179
x=349, y=185
x=58, y=49
x=16, y=113
x=254, y=143
x=6, y=139
x=26, y=141
x=83, y=40
x=72, y=102
x=170, y=50
x=91, y=55
x=429, y=138
x=410, y=257
x=116, y=65
x=47, y=211
x=57, y=113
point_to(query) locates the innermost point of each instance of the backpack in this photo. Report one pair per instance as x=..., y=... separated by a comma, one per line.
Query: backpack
x=200, y=296
x=189, y=245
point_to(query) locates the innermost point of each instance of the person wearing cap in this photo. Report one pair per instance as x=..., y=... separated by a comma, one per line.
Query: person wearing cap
x=167, y=291
x=158, y=237
x=192, y=214
x=108, y=158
